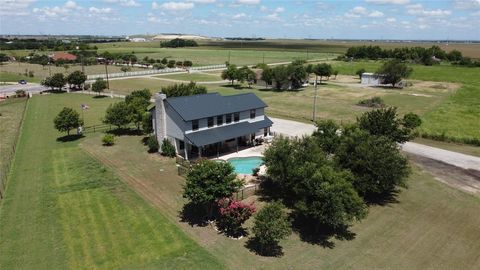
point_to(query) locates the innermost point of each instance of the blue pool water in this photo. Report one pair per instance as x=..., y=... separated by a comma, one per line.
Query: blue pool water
x=245, y=165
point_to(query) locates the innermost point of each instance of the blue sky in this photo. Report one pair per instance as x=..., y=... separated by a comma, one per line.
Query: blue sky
x=369, y=19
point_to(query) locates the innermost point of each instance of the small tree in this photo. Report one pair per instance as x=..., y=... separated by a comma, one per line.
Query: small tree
x=152, y=144
x=335, y=72
x=187, y=63
x=271, y=225
x=208, y=181
x=108, y=140
x=99, y=85
x=67, y=119
x=323, y=70
x=393, y=71
x=171, y=63
x=118, y=114
x=168, y=149
x=147, y=124
x=76, y=78
x=231, y=73
x=125, y=69
x=233, y=214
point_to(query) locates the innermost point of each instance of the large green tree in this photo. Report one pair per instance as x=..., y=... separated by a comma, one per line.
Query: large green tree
x=138, y=101
x=393, y=71
x=99, y=85
x=67, y=119
x=323, y=70
x=76, y=78
x=56, y=81
x=327, y=135
x=386, y=122
x=182, y=89
x=118, y=114
x=376, y=162
x=231, y=73
x=209, y=181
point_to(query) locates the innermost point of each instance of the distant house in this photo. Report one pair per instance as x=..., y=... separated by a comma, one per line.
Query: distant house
x=209, y=124
x=62, y=56
x=372, y=79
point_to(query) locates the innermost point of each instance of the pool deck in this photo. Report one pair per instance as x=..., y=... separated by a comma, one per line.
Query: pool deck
x=254, y=151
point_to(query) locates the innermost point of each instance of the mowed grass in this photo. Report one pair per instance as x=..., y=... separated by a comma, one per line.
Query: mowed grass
x=13, y=77
x=195, y=77
x=432, y=226
x=126, y=86
x=64, y=210
x=11, y=113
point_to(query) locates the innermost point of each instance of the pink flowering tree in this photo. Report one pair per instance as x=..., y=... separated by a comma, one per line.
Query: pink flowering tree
x=233, y=214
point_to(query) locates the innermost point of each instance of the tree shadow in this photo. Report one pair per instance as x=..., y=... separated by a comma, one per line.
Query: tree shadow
x=145, y=140
x=55, y=91
x=100, y=96
x=382, y=199
x=237, y=233
x=274, y=250
x=70, y=138
x=125, y=132
x=194, y=215
x=322, y=234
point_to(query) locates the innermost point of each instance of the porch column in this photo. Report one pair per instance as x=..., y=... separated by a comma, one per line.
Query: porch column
x=218, y=155
x=186, y=151
x=200, y=151
x=236, y=143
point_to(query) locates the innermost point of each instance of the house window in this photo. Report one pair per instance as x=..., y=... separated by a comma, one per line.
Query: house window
x=210, y=122
x=236, y=117
x=228, y=118
x=194, y=124
x=219, y=120
x=252, y=113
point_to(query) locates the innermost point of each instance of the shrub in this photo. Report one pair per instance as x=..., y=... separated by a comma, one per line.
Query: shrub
x=20, y=93
x=152, y=144
x=360, y=72
x=108, y=140
x=168, y=149
x=233, y=214
x=255, y=171
x=375, y=102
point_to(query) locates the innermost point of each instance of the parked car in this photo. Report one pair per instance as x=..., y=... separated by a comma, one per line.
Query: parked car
x=22, y=82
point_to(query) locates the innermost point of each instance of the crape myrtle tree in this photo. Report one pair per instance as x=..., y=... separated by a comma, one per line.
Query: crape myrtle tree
x=233, y=214
x=208, y=181
x=393, y=72
x=271, y=225
x=67, y=119
x=327, y=135
x=99, y=85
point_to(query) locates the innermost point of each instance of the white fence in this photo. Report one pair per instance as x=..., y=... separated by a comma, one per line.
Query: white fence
x=152, y=71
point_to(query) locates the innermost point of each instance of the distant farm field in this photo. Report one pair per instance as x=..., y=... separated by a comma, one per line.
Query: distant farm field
x=64, y=210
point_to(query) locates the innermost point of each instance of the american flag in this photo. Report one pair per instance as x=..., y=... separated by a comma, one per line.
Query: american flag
x=84, y=107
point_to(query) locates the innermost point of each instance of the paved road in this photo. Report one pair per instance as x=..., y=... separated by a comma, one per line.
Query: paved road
x=30, y=87
x=294, y=128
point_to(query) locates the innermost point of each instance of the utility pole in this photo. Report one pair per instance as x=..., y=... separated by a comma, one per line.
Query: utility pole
x=106, y=73
x=263, y=58
x=228, y=57
x=83, y=65
x=315, y=101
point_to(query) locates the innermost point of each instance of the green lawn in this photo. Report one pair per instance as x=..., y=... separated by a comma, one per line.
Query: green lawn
x=64, y=210
x=14, y=77
x=196, y=77
x=126, y=86
x=432, y=226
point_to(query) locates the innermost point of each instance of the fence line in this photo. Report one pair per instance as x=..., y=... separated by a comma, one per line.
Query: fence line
x=151, y=72
x=5, y=171
x=246, y=192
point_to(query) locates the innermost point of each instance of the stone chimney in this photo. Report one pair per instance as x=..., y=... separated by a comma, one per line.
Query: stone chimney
x=159, y=119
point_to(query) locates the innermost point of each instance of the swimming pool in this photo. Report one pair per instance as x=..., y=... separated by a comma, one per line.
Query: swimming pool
x=245, y=165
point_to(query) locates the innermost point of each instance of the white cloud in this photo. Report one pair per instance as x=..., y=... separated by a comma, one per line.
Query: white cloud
x=71, y=5
x=239, y=16
x=174, y=6
x=57, y=11
x=384, y=2
x=376, y=14
x=356, y=12
x=203, y=1
x=247, y=2
x=124, y=3
x=467, y=4
x=15, y=7
x=391, y=19
x=273, y=17
x=418, y=10
x=279, y=9
x=263, y=8
x=96, y=10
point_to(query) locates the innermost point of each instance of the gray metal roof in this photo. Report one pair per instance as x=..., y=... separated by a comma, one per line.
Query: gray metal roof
x=219, y=134
x=212, y=104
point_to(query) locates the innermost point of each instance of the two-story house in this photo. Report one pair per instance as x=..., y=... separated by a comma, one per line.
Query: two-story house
x=208, y=124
